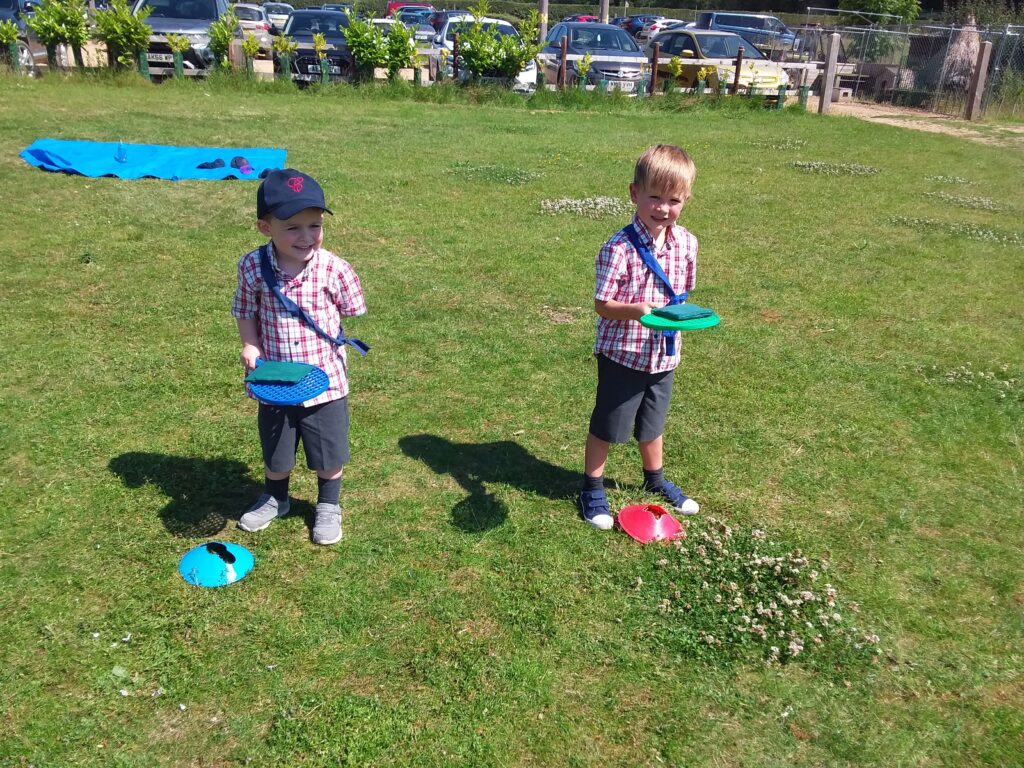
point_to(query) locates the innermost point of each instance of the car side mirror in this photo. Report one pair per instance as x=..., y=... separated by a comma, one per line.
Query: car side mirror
x=687, y=55
x=29, y=6
x=437, y=39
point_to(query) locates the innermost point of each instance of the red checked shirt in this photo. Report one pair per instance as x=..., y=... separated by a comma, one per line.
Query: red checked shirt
x=327, y=288
x=622, y=276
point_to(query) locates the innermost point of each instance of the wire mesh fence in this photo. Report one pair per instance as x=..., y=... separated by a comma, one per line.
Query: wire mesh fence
x=925, y=66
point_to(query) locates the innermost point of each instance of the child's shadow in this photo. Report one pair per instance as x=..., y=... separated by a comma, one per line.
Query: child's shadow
x=205, y=493
x=473, y=464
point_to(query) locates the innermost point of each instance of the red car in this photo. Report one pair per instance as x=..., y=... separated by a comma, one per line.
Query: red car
x=582, y=17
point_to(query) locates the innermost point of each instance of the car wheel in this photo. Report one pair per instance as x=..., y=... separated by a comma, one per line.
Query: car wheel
x=26, y=60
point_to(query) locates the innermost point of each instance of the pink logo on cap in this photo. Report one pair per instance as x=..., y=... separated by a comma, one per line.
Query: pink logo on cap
x=295, y=183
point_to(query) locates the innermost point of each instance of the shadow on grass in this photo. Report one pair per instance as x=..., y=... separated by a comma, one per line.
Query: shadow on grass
x=473, y=464
x=205, y=493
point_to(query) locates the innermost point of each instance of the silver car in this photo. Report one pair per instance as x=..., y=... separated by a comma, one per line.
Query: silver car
x=277, y=13
x=252, y=18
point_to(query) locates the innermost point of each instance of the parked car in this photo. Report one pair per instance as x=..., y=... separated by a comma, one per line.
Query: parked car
x=526, y=80
x=582, y=17
x=618, y=21
x=766, y=32
x=30, y=52
x=636, y=22
x=653, y=27
x=438, y=18
x=277, y=14
x=252, y=18
x=394, y=5
x=340, y=7
x=189, y=18
x=423, y=33
x=301, y=26
x=597, y=40
x=756, y=72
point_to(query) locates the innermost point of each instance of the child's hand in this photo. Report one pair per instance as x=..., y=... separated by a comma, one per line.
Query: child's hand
x=643, y=308
x=250, y=354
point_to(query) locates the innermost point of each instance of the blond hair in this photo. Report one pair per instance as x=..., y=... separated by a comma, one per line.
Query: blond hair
x=666, y=168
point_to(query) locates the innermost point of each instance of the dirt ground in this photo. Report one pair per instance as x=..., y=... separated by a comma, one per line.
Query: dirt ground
x=995, y=134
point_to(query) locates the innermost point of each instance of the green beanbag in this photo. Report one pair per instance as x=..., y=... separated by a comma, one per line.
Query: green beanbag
x=682, y=312
x=277, y=372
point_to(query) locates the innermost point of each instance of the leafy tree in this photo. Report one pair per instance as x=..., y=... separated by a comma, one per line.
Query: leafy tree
x=902, y=10
x=401, y=45
x=60, y=22
x=125, y=35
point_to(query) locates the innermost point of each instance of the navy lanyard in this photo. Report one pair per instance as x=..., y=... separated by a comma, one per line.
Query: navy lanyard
x=651, y=262
x=267, y=272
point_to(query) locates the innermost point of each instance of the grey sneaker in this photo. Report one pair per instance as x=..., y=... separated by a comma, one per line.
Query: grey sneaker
x=263, y=513
x=327, y=527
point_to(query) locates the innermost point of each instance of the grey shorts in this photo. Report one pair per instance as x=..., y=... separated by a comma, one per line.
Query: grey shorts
x=629, y=400
x=322, y=428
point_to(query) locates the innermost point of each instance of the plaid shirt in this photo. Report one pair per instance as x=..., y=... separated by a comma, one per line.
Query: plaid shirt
x=327, y=288
x=622, y=276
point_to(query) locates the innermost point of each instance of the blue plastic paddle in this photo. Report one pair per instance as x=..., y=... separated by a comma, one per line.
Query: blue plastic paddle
x=312, y=384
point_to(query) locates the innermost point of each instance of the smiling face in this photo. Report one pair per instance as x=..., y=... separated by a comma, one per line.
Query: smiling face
x=658, y=209
x=295, y=239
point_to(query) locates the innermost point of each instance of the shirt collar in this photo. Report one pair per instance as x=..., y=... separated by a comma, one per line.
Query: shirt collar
x=645, y=234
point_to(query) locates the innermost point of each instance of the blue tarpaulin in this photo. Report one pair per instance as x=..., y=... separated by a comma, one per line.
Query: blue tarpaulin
x=150, y=161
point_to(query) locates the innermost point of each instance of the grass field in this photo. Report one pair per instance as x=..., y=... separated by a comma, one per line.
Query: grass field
x=862, y=401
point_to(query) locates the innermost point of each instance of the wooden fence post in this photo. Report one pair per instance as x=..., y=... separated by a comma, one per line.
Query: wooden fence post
x=978, y=77
x=736, y=76
x=561, y=63
x=542, y=12
x=828, y=77
x=654, y=68
x=455, y=59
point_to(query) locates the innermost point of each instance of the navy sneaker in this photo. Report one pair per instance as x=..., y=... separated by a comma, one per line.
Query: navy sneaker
x=594, y=508
x=675, y=498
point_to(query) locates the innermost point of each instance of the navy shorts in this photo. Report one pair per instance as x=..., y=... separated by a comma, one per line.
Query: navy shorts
x=628, y=401
x=323, y=430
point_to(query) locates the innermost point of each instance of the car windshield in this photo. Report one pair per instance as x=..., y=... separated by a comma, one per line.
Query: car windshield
x=248, y=14
x=414, y=17
x=726, y=47
x=462, y=26
x=602, y=40
x=307, y=24
x=182, y=9
x=7, y=5
x=277, y=8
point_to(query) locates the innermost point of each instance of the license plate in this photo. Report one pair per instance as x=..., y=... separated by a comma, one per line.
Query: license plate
x=625, y=85
x=163, y=57
x=331, y=69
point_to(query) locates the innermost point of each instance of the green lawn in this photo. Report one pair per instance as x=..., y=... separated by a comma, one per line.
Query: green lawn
x=862, y=400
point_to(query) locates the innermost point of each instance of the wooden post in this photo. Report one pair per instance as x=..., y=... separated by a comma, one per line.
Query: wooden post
x=736, y=76
x=455, y=59
x=978, y=77
x=828, y=77
x=782, y=97
x=542, y=11
x=561, y=63
x=654, y=68
x=604, y=12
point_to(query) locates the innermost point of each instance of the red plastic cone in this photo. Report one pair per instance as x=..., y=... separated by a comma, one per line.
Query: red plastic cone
x=649, y=522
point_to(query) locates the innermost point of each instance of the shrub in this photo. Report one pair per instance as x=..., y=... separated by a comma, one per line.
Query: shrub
x=125, y=35
x=222, y=32
x=401, y=47
x=485, y=52
x=58, y=22
x=367, y=44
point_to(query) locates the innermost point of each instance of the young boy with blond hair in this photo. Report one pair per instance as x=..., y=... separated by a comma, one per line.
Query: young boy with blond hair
x=635, y=365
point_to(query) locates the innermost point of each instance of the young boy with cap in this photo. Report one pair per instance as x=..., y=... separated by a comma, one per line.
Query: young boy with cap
x=635, y=366
x=290, y=209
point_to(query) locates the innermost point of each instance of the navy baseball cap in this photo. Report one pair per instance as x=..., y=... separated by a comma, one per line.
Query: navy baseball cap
x=286, y=192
